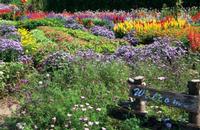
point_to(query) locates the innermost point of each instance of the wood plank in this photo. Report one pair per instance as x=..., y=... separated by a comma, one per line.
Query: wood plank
x=182, y=101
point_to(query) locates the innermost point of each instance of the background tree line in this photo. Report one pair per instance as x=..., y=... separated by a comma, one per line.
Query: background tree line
x=79, y=5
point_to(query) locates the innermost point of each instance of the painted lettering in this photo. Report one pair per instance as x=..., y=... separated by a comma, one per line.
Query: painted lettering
x=139, y=92
x=166, y=100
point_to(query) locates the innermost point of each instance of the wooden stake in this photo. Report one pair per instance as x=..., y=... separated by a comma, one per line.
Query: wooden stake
x=194, y=89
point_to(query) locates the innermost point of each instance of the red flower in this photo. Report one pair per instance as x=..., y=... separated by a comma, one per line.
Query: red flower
x=196, y=17
x=5, y=11
x=194, y=38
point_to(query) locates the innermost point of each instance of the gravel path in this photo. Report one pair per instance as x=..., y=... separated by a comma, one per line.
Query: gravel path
x=7, y=107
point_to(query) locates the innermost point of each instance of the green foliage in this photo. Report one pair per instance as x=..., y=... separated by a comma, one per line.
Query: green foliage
x=96, y=21
x=9, y=55
x=40, y=37
x=32, y=24
x=62, y=92
x=175, y=78
x=53, y=96
x=8, y=22
x=131, y=124
x=10, y=74
x=97, y=43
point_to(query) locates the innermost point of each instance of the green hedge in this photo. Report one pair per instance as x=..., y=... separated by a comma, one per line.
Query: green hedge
x=77, y=5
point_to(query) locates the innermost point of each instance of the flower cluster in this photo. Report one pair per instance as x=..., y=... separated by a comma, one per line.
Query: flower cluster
x=28, y=41
x=36, y=15
x=114, y=16
x=4, y=9
x=147, y=26
x=194, y=38
x=57, y=60
x=25, y=59
x=10, y=50
x=131, y=38
x=5, y=28
x=160, y=51
x=73, y=24
x=88, y=55
x=9, y=32
x=6, y=44
x=102, y=31
x=196, y=18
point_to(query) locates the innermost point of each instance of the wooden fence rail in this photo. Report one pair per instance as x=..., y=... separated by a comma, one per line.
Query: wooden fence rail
x=189, y=102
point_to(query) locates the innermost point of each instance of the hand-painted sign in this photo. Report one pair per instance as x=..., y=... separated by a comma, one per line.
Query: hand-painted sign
x=183, y=101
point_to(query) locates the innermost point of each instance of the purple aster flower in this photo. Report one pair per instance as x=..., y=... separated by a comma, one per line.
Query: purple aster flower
x=159, y=51
x=5, y=28
x=25, y=59
x=6, y=44
x=57, y=60
x=102, y=31
x=10, y=50
x=131, y=38
x=73, y=24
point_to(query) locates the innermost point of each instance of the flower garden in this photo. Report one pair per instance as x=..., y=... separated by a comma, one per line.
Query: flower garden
x=61, y=71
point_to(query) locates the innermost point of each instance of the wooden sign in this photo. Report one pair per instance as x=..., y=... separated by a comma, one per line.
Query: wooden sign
x=183, y=101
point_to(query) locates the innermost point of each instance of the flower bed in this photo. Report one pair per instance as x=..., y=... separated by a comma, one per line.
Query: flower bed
x=69, y=70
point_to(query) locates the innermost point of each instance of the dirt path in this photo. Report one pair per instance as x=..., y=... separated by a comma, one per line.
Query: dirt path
x=7, y=107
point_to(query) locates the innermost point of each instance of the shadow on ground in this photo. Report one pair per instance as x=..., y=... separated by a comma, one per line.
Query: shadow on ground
x=122, y=112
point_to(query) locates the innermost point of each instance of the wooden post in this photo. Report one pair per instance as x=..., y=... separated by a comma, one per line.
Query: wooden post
x=140, y=105
x=194, y=89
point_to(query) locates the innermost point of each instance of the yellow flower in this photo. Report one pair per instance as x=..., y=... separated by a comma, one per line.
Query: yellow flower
x=28, y=41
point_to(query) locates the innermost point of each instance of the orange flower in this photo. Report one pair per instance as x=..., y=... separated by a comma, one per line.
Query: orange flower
x=24, y=1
